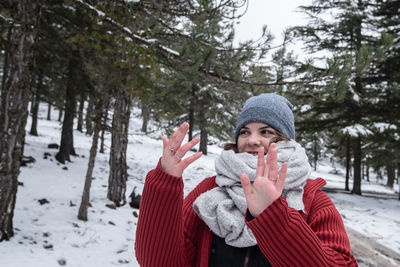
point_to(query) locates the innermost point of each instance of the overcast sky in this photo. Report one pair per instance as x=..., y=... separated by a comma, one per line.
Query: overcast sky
x=276, y=14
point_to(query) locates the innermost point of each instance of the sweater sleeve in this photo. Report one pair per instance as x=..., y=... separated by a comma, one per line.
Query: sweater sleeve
x=287, y=239
x=160, y=237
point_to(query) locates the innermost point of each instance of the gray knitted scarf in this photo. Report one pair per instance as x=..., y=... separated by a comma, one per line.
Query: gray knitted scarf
x=223, y=208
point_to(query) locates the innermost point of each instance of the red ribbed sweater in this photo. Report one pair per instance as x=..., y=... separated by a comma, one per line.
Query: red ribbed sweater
x=169, y=233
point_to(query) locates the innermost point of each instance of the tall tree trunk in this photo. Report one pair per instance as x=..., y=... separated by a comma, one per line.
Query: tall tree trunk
x=35, y=110
x=60, y=114
x=398, y=177
x=16, y=88
x=119, y=144
x=192, y=106
x=348, y=159
x=80, y=112
x=203, y=124
x=315, y=151
x=3, y=61
x=398, y=173
x=82, y=213
x=89, y=116
x=49, y=111
x=357, y=166
x=104, y=126
x=362, y=171
x=102, y=139
x=367, y=172
x=390, y=174
x=32, y=99
x=145, y=116
x=357, y=110
x=191, y=122
x=67, y=141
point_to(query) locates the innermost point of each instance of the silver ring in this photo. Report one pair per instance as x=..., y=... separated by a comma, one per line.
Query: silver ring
x=273, y=179
x=171, y=149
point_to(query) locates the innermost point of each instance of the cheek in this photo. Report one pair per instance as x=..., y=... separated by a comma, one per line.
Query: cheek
x=267, y=142
x=241, y=143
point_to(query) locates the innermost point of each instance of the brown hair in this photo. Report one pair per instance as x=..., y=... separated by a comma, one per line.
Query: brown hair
x=279, y=137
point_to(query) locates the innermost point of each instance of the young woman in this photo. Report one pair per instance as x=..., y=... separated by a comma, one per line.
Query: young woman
x=254, y=212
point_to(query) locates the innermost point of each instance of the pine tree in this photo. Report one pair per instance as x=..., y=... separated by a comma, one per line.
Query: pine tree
x=208, y=83
x=15, y=93
x=387, y=75
x=75, y=77
x=342, y=99
x=83, y=207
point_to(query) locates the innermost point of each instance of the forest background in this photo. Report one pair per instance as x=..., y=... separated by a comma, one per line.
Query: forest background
x=176, y=60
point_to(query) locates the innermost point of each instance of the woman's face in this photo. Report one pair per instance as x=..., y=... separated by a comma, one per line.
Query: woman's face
x=253, y=136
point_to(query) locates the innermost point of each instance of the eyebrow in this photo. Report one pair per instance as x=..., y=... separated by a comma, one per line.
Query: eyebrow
x=261, y=128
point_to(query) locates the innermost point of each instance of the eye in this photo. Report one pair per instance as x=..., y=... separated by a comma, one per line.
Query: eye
x=267, y=132
x=243, y=131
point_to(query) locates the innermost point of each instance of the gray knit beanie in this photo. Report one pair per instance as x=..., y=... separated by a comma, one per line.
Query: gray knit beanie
x=271, y=109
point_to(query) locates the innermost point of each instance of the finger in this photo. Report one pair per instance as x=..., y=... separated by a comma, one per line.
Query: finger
x=185, y=148
x=165, y=143
x=267, y=162
x=248, y=190
x=178, y=136
x=282, y=176
x=260, y=163
x=189, y=160
x=272, y=163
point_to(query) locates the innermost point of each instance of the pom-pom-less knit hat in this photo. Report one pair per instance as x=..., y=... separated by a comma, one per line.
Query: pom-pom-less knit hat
x=271, y=109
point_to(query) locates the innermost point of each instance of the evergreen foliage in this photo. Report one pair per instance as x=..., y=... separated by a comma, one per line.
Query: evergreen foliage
x=350, y=99
x=177, y=60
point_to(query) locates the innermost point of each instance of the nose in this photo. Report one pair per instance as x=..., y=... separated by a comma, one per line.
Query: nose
x=254, y=140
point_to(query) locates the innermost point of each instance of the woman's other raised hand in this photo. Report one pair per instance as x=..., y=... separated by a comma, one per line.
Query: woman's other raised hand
x=172, y=160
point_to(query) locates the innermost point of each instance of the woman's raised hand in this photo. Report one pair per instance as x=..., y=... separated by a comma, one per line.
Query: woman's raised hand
x=268, y=184
x=172, y=160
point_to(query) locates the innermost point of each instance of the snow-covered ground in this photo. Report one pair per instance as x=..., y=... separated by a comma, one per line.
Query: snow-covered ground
x=51, y=234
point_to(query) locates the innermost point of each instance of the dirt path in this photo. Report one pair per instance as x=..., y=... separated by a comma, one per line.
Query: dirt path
x=368, y=252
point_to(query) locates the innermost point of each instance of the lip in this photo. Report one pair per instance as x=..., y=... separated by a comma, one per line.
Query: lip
x=255, y=153
x=252, y=152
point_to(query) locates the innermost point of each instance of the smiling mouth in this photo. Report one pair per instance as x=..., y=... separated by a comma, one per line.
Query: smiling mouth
x=256, y=153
